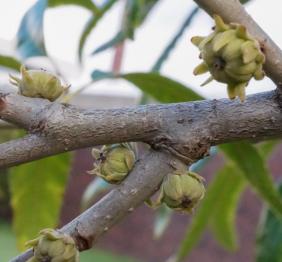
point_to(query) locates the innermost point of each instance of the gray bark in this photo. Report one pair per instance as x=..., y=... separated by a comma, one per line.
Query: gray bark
x=187, y=130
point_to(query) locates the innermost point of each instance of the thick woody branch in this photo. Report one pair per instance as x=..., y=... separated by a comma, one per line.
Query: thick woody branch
x=233, y=11
x=142, y=182
x=187, y=130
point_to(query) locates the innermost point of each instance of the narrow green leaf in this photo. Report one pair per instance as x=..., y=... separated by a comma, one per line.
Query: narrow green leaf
x=30, y=37
x=162, y=219
x=10, y=62
x=134, y=16
x=88, y=4
x=248, y=159
x=37, y=190
x=223, y=222
x=202, y=215
x=269, y=236
x=93, y=190
x=161, y=88
x=171, y=45
x=91, y=23
x=244, y=1
x=97, y=75
x=265, y=148
x=118, y=38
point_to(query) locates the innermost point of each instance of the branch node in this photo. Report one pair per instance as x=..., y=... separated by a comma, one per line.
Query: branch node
x=2, y=101
x=82, y=242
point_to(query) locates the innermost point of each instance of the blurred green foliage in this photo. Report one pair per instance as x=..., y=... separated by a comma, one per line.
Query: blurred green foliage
x=37, y=191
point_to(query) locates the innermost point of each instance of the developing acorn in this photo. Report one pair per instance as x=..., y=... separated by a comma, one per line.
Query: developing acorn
x=231, y=55
x=38, y=83
x=51, y=245
x=182, y=191
x=113, y=163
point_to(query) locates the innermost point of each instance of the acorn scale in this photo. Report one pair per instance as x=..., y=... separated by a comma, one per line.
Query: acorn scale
x=231, y=55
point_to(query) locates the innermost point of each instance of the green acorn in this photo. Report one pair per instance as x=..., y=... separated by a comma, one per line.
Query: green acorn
x=38, y=83
x=181, y=191
x=113, y=163
x=53, y=246
x=231, y=55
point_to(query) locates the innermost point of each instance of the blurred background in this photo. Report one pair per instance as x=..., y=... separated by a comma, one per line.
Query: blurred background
x=120, y=54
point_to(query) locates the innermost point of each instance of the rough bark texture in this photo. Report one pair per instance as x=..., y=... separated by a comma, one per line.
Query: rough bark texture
x=186, y=130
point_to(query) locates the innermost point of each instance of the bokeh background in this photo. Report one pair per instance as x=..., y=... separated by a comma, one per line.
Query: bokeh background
x=134, y=239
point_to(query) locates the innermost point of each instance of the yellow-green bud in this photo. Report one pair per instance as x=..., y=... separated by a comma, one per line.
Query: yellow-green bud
x=113, y=163
x=231, y=55
x=182, y=191
x=51, y=245
x=38, y=83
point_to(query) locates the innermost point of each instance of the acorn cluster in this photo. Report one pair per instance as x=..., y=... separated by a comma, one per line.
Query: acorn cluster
x=53, y=246
x=38, y=83
x=231, y=55
x=113, y=162
x=181, y=190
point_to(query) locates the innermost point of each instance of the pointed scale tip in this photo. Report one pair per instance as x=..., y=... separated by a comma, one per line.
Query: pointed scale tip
x=201, y=69
x=231, y=91
x=259, y=74
x=242, y=32
x=207, y=81
x=219, y=24
x=240, y=90
x=196, y=40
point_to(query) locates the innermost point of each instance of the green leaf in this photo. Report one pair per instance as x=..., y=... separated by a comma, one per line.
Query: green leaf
x=161, y=88
x=118, y=38
x=171, y=45
x=269, y=236
x=248, y=159
x=265, y=148
x=88, y=4
x=37, y=190
x=93, y=190
x=244, y=1
x=91, y=23
x=162, y=219
x=30, y=37
x=202, y=215
x=223, y=222
x=97, y=75
x=10, y=62
x=135, y=14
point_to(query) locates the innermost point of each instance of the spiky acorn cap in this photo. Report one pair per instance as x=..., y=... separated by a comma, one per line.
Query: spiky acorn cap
x=52, y=245
x=38, y=83
x=182, y=190
x=113, y=162
x=231, y=55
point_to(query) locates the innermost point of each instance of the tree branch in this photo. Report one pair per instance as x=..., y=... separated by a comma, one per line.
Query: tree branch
x=187, y=130
x=142, y=182
x=233, y=11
